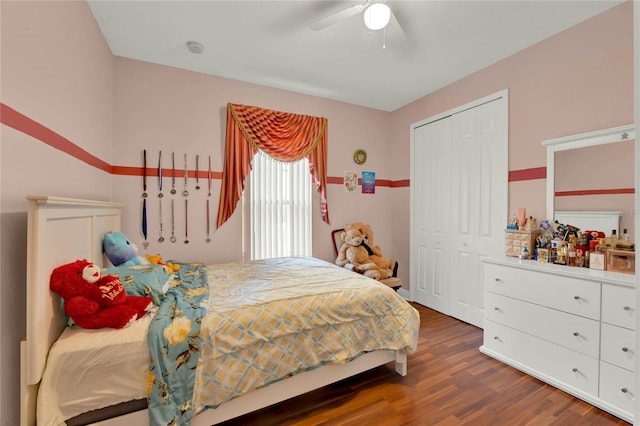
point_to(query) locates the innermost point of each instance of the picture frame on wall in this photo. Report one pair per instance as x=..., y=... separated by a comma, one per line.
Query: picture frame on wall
x=368, y=182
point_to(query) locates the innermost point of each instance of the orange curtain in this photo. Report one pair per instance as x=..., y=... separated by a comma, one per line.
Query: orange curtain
x=284, y=136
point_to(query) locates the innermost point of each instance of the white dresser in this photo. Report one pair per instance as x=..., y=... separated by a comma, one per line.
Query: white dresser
x=570, y=327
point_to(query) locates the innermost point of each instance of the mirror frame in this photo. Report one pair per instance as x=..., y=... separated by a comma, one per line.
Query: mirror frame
x=598, y=137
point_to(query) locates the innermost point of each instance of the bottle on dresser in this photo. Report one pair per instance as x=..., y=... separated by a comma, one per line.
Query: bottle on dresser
x=613, y=239
x=602, y=246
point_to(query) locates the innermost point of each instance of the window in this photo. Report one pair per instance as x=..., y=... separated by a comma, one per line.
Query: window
x=280, y=208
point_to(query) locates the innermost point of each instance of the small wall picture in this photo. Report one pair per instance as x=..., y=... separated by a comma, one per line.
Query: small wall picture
x=350, y=181
x=368, y=182
x=597, y=261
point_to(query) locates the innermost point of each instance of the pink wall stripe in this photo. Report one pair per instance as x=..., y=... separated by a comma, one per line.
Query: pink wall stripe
x=528, y=174
x=24, y=124
x=595, y=192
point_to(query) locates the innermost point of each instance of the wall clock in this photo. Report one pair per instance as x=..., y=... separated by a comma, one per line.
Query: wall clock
x=360, y=156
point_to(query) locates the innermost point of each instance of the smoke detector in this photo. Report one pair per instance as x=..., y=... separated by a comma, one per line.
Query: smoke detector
x=195, y=47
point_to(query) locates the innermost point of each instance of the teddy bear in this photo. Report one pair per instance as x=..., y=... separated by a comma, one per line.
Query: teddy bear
x=375, y=254
x=95, y=301
x=354, y=255
x=121, y=251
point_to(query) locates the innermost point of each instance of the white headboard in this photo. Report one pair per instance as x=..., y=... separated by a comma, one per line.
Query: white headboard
x=59, y=231
x=603, y=221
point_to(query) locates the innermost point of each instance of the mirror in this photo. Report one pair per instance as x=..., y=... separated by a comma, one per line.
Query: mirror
x=592, y=171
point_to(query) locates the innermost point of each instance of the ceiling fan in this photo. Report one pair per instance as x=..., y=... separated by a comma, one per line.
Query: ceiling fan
x=377, y=16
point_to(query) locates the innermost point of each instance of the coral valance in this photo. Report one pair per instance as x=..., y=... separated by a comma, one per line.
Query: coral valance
x=284, y=136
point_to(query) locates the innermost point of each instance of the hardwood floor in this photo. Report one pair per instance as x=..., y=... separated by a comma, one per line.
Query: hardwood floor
x=449, y=383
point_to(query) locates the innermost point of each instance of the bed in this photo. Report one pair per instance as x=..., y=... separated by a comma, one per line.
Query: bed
x=61, y=230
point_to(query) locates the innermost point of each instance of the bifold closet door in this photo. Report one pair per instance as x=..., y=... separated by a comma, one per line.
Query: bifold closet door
x=432, y=221
x=459, y=207
x=479, y=188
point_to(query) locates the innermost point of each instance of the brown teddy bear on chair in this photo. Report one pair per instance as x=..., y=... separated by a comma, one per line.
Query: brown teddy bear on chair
x=375, y=254
x=354, y=255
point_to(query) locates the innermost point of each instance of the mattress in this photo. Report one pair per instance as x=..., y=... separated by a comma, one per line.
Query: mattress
x=91, y=369
x=265, y=321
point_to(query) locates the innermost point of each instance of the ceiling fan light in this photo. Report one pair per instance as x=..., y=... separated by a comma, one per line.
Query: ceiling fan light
x=377, y=16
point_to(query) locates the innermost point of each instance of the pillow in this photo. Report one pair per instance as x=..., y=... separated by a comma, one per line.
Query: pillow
x=143, y=280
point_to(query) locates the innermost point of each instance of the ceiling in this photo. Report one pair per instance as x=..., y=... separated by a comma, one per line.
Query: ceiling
x=428, y=44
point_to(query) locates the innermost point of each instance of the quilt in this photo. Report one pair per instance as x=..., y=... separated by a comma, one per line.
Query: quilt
x=269, y=319
x=174, y=347
x=227, y=329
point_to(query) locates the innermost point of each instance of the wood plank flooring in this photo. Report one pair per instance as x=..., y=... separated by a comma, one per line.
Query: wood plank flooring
x=449, y=383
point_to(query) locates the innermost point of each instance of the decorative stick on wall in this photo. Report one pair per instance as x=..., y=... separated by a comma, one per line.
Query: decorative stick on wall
x=173, y=238
x=186, y=221
x=208, y=224
x=185, y=192
x=144, y=173
x=209, y=178
x=160, y=194
x=197, y=177
x=144, y=222
x=173, y=173
x=161, y=239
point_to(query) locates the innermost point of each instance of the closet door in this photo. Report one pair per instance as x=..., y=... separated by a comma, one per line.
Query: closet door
x=459, y=194
x=431, y=235
x=479, y=187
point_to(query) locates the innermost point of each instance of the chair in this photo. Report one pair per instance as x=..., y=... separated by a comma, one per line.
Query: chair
x=394, y=282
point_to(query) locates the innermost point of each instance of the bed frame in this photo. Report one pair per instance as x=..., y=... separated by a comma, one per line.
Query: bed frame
x=61, y=230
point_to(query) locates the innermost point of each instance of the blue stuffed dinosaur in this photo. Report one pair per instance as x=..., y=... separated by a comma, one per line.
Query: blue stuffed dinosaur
x=121, y=251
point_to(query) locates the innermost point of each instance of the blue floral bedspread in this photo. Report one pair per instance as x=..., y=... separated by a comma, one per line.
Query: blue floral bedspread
x=174, y=347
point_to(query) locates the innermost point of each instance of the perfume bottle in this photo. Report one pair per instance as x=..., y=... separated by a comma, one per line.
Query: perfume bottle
x=625, y=235
x=571, y=255
x=613, y=240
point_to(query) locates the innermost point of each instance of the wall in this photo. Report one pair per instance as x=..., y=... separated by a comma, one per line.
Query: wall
x=58, y=71
x=577, y=81
x=160, y=108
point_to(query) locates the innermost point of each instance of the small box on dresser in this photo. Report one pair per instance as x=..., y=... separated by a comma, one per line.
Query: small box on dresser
x=515, y=240
x=621, y=261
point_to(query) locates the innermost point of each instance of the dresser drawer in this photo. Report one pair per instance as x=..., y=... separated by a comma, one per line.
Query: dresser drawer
x=563, y=293
x=546, y=358
x=571, y=331
x=618, y=346
x=617, y=387
x=619, y=306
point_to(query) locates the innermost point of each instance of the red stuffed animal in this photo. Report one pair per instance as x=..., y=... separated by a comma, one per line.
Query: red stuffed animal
x=93, y=301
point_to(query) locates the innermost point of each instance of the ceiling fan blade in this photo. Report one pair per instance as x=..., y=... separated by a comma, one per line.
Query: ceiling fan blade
x=327, y=21
x=394, y=32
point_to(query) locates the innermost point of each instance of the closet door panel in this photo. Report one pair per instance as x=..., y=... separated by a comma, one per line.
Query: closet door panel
x=432, y=233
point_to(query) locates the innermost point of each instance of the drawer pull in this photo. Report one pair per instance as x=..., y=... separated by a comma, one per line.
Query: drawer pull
x=575, y=370
x=496, y=309
x=624, y=390
x=625, y=349
x=576, y=297
x=627, y=308
x=497, y=280
x=575, y=333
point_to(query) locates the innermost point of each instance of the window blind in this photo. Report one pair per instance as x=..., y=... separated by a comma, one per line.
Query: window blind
x=280, y=208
